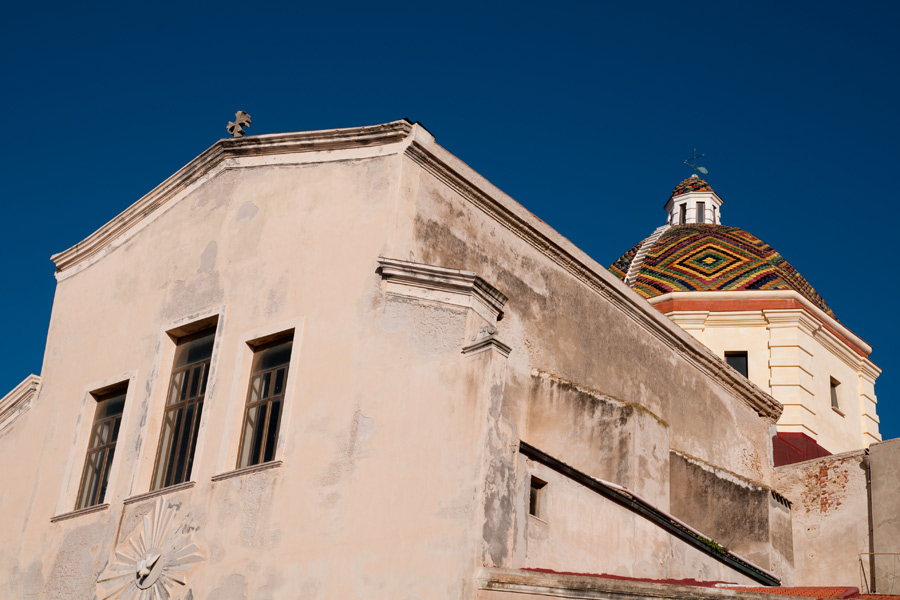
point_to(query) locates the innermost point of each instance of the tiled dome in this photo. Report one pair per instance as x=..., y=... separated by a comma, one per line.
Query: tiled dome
x=712, y=258
x=691, y=184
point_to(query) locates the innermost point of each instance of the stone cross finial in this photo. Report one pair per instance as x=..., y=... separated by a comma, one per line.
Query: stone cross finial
x=241, y=120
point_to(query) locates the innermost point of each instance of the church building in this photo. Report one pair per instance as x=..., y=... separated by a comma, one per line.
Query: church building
x=342, y=364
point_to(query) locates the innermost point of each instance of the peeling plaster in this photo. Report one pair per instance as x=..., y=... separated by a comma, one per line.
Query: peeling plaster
x=74, y=571
x=824, y=487
x=434, y=329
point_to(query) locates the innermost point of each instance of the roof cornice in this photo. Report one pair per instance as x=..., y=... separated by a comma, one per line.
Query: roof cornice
x=494, y=202
x=214, y=157
x=853, y=341
x=17, y=401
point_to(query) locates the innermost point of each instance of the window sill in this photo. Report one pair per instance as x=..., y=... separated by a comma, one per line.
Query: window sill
x=246, y=470
x=838, y=411
x=160, y=492
x=79, y=512
x=537, y=518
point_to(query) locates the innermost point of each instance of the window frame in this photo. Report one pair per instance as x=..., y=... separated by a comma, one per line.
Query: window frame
x=174, y=455
x=537, y=496
x=834, y=386
x=258, y=347
x=114, y=392
x=739, y=353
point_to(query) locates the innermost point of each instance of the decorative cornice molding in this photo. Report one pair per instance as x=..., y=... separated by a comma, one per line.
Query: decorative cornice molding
x=736, y=319
x=791, y=317
x=212, y=158
x=487, y=343
x=439, y=284
x=693, y=318
x=759, y=300
x=18, y=401
x=567, y=256
x=869, y=371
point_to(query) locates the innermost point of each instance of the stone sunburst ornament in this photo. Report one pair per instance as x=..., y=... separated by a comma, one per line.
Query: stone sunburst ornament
x=151, y=561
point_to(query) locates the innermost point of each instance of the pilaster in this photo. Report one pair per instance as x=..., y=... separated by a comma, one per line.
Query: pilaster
x=868, y=402
x=790, y=365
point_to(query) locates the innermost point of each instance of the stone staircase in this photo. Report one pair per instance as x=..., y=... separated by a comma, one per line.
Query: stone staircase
x=635, y=267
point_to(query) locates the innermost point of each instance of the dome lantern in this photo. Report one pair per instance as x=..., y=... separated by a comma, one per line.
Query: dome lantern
x=693, y=201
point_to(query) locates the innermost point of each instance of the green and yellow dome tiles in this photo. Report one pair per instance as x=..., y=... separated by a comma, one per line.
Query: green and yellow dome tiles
x=703, y=257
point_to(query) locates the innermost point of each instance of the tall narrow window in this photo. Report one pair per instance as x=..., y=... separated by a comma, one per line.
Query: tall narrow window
x=834, y=393
x=682, y=214
x=714, y=220
x=184, y=405
x=737, y=361
x=101, y=447
x=701, y=212
x=265, y=397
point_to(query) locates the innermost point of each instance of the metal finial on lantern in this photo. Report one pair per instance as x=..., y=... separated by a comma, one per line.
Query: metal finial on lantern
x=692, y=163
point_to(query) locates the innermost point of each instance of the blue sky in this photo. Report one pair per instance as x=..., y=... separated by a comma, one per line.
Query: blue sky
x=582, y=111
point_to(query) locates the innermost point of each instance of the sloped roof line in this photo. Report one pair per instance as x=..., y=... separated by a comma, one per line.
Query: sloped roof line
x=213, y=157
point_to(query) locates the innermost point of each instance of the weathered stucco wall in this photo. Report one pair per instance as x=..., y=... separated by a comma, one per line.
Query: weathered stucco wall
x=397, y=453
x=579, y=531
x=557, y=324
x=585, y=383
x=829, y=517
x=381, y=400
x=741, y=515
x=611, y=439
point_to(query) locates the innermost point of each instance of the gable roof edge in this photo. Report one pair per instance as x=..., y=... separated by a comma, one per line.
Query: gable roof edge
x=213, y=157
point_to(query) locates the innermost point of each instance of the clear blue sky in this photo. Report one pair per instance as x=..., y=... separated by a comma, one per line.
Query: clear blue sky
x=582, y=111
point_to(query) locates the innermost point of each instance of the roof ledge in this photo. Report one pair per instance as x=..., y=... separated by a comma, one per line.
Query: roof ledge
x=845, y=335
x=18, y=401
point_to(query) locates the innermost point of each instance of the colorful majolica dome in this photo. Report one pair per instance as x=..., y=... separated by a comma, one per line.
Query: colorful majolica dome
x=691, y=184
x=706, y=257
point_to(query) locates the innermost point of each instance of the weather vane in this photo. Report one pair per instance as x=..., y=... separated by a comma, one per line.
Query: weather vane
x=692, y=163
x=241, y=120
